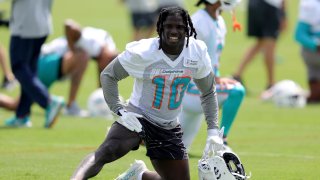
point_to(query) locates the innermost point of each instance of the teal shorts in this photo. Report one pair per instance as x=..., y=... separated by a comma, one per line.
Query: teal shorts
x=49, y=69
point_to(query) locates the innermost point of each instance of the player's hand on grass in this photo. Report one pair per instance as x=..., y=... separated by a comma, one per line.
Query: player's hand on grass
x=130, y=120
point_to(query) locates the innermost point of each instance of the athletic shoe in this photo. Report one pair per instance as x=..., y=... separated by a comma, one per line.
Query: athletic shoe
x=75, y=110
x=18, y=122
x=134, y=171
x=53, y=110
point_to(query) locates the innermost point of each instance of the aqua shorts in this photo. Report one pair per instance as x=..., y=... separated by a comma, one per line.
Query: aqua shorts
x=49, y=68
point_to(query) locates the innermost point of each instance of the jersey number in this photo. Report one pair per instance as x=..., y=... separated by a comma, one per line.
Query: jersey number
x=177, y=89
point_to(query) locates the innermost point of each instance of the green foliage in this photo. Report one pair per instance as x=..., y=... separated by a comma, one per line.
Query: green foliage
x=272, y=143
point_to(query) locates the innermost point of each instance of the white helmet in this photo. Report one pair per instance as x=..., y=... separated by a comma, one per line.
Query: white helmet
x=226, y=5
x=225, y=165
x=287, y=93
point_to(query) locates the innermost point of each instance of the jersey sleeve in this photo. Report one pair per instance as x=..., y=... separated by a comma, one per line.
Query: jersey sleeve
x=132, y=64
x=205, y=63
x=137, y=56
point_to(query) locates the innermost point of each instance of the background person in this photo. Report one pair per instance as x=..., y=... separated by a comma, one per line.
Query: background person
x=307, y=34
x=143, y=15
x=211, y=28
x=266, y=19
x=30, y=24
x=67, y=57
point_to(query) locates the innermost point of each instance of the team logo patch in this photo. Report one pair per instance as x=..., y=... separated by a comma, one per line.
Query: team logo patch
x=190, y=63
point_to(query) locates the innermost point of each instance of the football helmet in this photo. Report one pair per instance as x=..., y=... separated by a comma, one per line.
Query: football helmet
x=287, y=93
x=225, y=165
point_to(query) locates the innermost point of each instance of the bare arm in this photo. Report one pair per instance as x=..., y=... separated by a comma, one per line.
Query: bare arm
x=72, y=32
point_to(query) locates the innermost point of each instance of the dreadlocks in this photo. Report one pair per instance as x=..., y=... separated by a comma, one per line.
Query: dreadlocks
x=165, y=12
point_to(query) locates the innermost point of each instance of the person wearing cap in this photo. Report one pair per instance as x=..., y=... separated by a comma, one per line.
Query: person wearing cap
x=211, y=28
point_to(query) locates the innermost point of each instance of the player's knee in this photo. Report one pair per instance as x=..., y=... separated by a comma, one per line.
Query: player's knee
x=239, y=92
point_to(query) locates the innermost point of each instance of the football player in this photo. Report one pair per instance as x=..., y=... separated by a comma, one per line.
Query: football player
x=68, y=57
x=211, y=28
x=162, y=68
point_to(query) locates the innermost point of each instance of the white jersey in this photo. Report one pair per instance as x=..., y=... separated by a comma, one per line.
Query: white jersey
x=160, y=83
x=91, y=41
x=212, y=32
x=310, y=14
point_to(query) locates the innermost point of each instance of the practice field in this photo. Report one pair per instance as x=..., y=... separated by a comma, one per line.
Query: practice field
x=273, y=143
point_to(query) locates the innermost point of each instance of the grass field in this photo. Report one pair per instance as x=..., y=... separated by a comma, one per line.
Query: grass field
x=273, y=143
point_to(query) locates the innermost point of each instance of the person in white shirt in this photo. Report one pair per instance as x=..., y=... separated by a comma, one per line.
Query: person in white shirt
x=162, y=68
x=68, y=56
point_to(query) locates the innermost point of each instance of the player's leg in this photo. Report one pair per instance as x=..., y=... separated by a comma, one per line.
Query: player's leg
x=190, y=124
x=311, y=60
x=269, y=46
x=190, y=118
x=167, y=152
x=270, y=33
x=172, y=169
x=248, y=58
x=74, y=65
x=118, y=143
x=8, y=102
x=230, y=107
x=24, y=56
x=254, y=27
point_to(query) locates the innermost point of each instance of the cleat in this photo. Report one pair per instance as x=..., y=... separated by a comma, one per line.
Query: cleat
x=18, y=122
x=55, y=106
x=75, y=110
x=134, y=171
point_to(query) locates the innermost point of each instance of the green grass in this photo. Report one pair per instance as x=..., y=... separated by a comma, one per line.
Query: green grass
x=273, y=143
